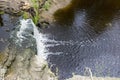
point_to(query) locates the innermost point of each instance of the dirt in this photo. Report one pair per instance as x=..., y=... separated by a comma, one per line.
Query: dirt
x=47, y=15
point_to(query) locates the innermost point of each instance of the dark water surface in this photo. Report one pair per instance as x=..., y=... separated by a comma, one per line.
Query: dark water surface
x=87, y=34
x=7, y=24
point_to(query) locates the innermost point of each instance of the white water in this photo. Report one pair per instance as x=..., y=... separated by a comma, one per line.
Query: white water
x=28, y=31
x=27, y=26
x=41, y=48
x=21, y=31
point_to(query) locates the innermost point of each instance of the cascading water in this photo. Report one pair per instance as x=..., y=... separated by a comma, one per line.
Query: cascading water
x=28, y=27
x=41, y=49
x=27, y=35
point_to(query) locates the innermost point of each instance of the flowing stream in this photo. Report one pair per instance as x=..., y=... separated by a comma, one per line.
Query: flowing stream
x=82, y=37
x=87, y=35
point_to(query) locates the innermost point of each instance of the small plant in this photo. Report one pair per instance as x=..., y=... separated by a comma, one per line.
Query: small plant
x=35, y=6
x=47, y=5
x=25, y=15
x=1, y=12
x=36, y=9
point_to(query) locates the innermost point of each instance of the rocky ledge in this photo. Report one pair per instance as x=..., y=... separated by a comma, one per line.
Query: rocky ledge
x=20, y=60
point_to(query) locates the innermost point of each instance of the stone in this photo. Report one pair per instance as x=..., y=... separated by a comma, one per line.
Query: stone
x=14, y=6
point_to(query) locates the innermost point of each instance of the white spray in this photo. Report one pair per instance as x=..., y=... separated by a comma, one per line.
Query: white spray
x=42, y=53
x=26, y=28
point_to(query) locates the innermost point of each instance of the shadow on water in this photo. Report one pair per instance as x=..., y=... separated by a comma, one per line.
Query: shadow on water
x=79, y=23
x=1, y=23
x=99, y=12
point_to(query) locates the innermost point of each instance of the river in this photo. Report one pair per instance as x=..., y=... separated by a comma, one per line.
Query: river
x=84, y=35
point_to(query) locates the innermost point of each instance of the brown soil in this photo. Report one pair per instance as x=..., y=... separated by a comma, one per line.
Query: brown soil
x=47, y=15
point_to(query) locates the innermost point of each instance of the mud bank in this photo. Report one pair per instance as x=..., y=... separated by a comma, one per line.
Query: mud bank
x=53, y=6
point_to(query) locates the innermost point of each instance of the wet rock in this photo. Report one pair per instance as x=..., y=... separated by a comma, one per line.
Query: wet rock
x=39, y=25
x=43, y=24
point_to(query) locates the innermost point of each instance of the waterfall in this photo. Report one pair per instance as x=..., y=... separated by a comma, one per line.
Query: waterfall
x=41, y=48
x=26, y=33
x=25, y=30
x=28, y=29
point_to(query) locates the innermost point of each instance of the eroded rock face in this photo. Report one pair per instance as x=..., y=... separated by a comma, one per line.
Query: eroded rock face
x=22, y=65
x=14, y=6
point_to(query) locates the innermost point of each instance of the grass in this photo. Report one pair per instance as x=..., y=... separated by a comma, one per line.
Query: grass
x=36, y=9
x=35, y=5
x=25, y=15
x=35, y=18
x=1, y=12
x=47, y=5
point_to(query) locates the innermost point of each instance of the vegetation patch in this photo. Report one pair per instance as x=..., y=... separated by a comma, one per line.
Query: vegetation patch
x=47, y=5
x=35, y=5
x=34, y=12
x=1, y=12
